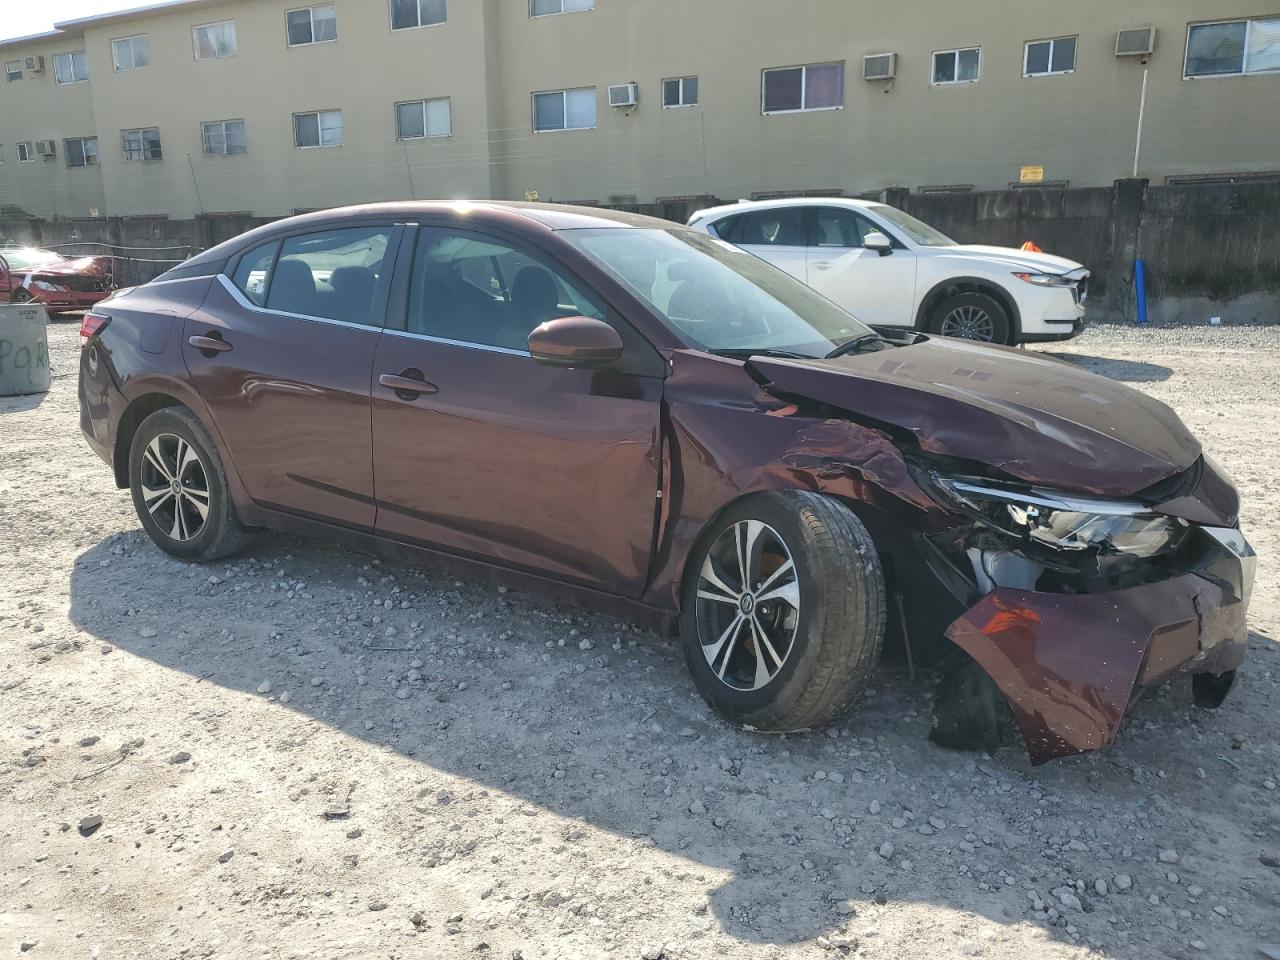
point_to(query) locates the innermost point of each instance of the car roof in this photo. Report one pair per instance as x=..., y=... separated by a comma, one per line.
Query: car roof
x=548, y=216
x=743, y=206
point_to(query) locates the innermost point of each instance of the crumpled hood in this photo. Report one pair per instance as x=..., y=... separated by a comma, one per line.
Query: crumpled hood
x=1038, y=419
x=1016, y=259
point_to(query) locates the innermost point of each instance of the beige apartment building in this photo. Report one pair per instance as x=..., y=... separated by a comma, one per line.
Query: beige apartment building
x=272, y=106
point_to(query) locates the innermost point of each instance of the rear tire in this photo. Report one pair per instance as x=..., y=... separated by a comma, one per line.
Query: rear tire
x=180, y=489
x=972, y=316
x=816, y=613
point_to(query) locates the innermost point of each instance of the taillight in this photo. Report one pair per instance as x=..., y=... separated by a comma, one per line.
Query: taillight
x=93, y=324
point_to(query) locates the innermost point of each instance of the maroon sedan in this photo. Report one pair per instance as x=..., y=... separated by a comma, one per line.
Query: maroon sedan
x=639, y=416
x=31, y=274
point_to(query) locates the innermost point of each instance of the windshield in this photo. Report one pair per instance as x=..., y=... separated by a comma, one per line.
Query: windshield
x=720, y=298
x=27, y=258
x=920, y=233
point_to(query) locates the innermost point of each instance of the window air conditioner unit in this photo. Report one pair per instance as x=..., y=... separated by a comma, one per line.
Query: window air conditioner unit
x=34, y=64
x=879, y=66
x=1139, y=42
x=46, y=148
x=624, y=95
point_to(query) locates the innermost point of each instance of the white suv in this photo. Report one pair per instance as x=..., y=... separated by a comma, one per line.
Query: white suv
x=889, y=269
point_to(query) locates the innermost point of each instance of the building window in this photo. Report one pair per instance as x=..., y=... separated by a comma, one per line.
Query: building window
x=419, y=119
x=564, y=110
x=817, y=86
x=312, y=25
x=1046, y=57
x=321, y=128
x=13, y=70
x=70, y=67
x=680, y=92
x=81, y=151
x=141, y=144
x=130, y=53
x=1234, y=48
x=548, y=8
x=26, y=152
x=407, y=14
x=957, y=66
x=213, y=41
x=223, y=138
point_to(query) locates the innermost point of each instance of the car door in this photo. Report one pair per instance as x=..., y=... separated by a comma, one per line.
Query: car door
x=6, y=284
x=774, y=234
x=281, y=352
x=874, y=288
x=489, y=453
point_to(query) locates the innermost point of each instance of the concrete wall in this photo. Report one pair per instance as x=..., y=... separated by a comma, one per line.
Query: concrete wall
x=491, y=56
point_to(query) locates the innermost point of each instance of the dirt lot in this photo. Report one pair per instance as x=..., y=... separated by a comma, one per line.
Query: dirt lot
x=308, y=753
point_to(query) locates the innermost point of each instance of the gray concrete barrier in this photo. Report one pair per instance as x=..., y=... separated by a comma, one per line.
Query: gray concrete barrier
x=24, y=349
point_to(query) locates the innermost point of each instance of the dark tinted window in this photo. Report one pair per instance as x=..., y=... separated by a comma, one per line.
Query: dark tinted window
x=472, y=289
x=255, y=266
x=836, y=227
x=331, y=274
x=771, y=227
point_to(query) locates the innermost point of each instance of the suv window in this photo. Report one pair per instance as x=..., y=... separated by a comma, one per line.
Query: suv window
x=331, y=274
x=473, y=289
x=771, y=227
x=837, y=227
x=251, y=275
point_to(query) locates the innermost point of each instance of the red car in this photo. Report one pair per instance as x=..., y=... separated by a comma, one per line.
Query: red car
x=30, y=274
x=648, y=419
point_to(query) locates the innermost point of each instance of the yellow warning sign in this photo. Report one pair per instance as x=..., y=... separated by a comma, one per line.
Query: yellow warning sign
x=1031, y=175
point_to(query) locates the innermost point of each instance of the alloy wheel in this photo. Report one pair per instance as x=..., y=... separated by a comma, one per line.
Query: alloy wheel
x=748, y=605
x=969, y=323
x=175, y=486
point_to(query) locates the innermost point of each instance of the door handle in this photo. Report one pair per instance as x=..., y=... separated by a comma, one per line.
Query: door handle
x=824, y=265
x=209, y=345
x=408, y=384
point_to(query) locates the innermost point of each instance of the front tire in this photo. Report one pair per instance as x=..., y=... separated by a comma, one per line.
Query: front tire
x=180, y=489
x=972, y=316
x=792, y=649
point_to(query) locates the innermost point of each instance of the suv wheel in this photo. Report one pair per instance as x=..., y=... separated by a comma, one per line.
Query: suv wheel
x=179, y=488
x=784, y=610
x=972, y=316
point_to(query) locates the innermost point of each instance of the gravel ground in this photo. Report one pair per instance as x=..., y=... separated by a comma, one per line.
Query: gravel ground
x=309, y=753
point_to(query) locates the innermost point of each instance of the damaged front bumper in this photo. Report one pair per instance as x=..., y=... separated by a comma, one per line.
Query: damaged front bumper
x=1070, y=664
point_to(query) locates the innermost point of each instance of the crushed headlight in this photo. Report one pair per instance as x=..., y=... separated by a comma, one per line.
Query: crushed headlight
x=1066, y=523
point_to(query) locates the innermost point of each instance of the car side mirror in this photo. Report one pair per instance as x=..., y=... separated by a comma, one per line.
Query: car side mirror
x=575, y=342
x=878, y=242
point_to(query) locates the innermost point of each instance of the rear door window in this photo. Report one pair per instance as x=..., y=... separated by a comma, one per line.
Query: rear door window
x=331, y=274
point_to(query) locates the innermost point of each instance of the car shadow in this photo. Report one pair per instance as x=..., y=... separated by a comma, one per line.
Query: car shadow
x=1126, y=371
x=638, y=753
